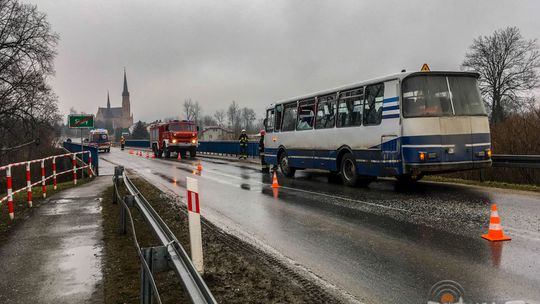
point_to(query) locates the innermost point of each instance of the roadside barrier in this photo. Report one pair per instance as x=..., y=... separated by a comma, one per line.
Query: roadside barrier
x=170, y=255
x=9, y=167
x=194, y=218
x=495, y=232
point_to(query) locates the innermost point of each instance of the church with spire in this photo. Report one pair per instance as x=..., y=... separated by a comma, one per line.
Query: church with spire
x=117, y=117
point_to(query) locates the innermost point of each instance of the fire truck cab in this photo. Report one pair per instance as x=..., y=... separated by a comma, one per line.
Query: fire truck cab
x=173, y=136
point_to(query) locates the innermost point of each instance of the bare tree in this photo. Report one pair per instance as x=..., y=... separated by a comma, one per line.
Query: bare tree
x=219, y=115
x=233, y=116
x=507, y=65
x=208, y=121
x=28, y=107
x=192, y=110
x=248, y=117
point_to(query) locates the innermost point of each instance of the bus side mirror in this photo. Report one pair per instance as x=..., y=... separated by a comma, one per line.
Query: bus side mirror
x=265, y=121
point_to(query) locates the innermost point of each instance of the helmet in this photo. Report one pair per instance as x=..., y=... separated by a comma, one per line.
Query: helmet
x=263, y=132
x=243, y=130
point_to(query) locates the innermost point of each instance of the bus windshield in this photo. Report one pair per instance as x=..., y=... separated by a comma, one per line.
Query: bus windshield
x=440, y=95
x=182, y=128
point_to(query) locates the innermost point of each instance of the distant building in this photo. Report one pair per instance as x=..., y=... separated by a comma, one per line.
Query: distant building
x=215, y=133
x=119, y=117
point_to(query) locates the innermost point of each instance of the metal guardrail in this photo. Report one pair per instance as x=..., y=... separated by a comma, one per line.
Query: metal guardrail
x=169, y=256
x=227, y=147
x=516, y=161
x=76, y=147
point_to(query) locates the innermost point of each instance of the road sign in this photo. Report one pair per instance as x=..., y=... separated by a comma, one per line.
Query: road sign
x=80, y=121
x=425, y=68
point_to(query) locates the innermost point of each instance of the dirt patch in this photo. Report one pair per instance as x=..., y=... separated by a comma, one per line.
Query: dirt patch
x=235, y=271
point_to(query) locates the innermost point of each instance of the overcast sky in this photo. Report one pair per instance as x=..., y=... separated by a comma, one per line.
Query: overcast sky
x=256, y=52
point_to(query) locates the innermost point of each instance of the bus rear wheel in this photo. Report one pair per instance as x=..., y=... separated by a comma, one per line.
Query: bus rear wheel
x=348, y=172
x=286, y=169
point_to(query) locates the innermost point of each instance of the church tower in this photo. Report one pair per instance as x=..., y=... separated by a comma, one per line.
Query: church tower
x=126, y=109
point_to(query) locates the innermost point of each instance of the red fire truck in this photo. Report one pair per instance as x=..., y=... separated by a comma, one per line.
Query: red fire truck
x=174, y=136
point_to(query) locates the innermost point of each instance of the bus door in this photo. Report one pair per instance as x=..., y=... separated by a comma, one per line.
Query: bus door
x=390, y=153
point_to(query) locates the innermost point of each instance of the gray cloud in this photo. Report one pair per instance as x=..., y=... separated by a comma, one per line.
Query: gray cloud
x=256, y=52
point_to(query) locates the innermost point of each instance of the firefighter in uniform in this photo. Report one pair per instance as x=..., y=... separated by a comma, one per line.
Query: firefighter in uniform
x=122, y=142
x=243, y=139
x=265, y=167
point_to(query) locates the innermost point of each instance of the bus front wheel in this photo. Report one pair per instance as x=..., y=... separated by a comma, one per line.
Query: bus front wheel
x=284, y=164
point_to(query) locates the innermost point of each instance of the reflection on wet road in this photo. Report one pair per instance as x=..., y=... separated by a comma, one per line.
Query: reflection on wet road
x=381, y=244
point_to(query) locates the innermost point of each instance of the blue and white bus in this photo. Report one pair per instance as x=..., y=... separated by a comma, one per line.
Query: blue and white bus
x=405, y=125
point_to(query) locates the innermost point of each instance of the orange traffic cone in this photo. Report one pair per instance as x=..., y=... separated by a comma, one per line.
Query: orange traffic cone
x=147, y=154
x=274, y=181
x=179, y=156
x=199, y=167
x=495, y=232
x=152, y=155
x=130, y=151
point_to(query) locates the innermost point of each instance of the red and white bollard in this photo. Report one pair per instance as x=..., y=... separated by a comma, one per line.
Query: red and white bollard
x=43, y=186
x=10, y=193
x=74, y=169
x=194, y=218
x=29, y=184
x=54, y=172
x=89, y=164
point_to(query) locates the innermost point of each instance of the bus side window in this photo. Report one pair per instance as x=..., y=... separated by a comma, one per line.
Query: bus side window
x=277, y=115
x=269, y=127
x=326, y=112
x=350, y=108
x=289, y=117
x=306, y=113
x=373, y=104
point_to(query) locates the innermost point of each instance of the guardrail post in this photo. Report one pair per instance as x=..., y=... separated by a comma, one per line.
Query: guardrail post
x=54, y=172
x=157, y=260
x=118, y=171
x=29, y=184
x=74, y=169
x=10, y=193
x=43, y=186
x=146, y=287
x=129, y=201
x=89, y=164
x=194, y=218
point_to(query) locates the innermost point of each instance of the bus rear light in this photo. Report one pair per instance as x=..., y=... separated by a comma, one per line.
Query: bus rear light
x=488, y=153
x=422, y=156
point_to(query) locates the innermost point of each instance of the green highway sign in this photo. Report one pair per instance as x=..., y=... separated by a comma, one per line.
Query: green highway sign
x=80, y=121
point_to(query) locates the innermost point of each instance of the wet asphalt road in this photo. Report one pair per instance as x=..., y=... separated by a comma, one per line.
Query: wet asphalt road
x=380, y=244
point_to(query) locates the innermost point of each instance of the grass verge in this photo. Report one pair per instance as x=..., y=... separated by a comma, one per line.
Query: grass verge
x=492, y=184
x=235, y=272
x=20, y=204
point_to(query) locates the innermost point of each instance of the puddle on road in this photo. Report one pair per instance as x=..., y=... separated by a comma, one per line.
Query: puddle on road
x=178, y=182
